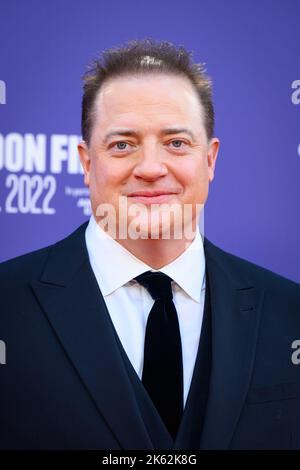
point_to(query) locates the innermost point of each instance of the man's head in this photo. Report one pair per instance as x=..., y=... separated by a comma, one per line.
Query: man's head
x=147, y=126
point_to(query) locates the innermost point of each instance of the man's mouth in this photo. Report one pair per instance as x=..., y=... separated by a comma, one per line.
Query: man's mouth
x=151, y=197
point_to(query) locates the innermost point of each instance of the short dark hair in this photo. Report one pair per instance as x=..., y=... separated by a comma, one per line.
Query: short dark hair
x=141, y=57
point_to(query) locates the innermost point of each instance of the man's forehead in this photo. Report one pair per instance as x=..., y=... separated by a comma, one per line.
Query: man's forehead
x=148, y=85
x=120, y=97
x=148, y=109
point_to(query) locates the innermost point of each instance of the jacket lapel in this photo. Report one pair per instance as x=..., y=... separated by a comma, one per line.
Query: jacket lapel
x=71, y=299
x=236, y=305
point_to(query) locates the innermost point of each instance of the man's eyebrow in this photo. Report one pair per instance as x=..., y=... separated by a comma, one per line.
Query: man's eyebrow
x=133, y=133
x=125, y=132
x=177, y=130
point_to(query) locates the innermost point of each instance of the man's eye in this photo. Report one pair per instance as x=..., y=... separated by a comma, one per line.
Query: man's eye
x=177, y=143
x=121, y=145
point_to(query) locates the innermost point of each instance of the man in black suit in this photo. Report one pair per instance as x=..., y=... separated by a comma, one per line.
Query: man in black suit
x=136, y=332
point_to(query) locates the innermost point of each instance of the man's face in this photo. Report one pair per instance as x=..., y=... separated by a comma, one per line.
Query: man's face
x=148, y=138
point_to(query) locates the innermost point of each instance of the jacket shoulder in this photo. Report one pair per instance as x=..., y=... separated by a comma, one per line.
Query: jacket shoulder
x=24, y=267
x=240, y=267
x=30, y=266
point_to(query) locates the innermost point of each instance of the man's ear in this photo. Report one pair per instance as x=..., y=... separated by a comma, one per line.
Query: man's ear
x=213, y=149
x=85, y=160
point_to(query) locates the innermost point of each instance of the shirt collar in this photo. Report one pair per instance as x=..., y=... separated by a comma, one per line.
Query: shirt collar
x=114, y=265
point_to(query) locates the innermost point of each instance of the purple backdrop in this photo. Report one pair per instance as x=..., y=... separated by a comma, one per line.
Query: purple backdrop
x=251, y=50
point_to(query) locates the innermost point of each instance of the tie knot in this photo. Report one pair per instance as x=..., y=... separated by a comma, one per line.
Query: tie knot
x=157, y=284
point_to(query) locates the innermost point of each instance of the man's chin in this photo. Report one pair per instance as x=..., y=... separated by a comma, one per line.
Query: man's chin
x=148, y=232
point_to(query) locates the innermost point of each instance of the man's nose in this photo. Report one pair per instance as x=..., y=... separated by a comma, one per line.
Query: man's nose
x=150, y=165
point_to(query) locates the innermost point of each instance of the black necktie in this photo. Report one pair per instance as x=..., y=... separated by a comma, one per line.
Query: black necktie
x=163, y=371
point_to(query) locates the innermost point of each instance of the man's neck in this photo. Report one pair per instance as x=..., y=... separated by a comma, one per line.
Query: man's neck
x=156, y=253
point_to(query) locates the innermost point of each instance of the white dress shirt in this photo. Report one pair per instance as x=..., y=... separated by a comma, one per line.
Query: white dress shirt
x=129, y=303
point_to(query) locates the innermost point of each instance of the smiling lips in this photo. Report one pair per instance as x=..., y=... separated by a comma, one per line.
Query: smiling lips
x=152, y=197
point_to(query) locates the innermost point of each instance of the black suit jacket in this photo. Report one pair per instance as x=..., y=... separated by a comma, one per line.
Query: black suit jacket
x=66, y=383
